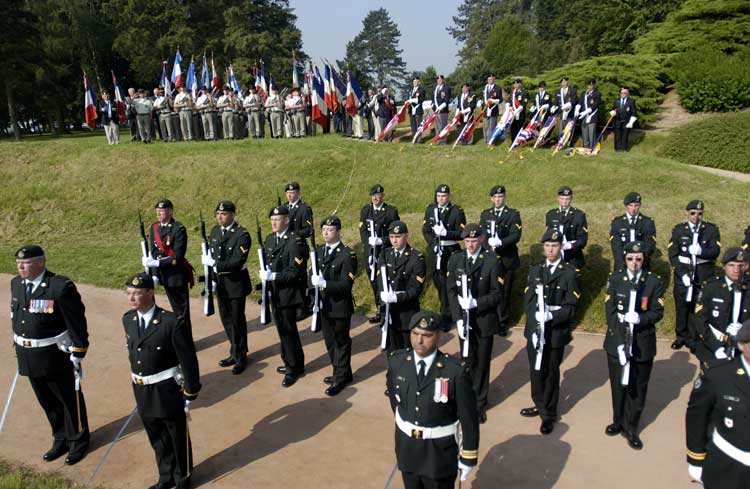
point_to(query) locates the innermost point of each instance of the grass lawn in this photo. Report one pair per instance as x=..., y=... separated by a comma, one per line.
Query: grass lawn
x=80, y=198
x=23, y=478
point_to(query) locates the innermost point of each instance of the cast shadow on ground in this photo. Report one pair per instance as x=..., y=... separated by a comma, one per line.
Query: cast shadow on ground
x=579, y=381
x=667, y=380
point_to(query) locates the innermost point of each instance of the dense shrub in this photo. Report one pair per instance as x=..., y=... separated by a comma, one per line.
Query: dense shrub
x=711, y=81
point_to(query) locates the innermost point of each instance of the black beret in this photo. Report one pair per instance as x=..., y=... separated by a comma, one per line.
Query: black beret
x=552, y=235
x=29, y=251
x=497, y=189
x=632, y=198
x=425, y=320
x=164, y=204
x=591, y=81
x=743, y=335
x=517, y=80
x=542, y=84
x=279, y=210
x=633, y=247
x=226, y=206
x=376, y=189
x=565, y=78
x=695, y=204
x=291, y=186
x=565, y=190
x=331, y=221
x=398, y=227
x=140, y=281
x=471, y=230
x=734, y=253
x=443, y=188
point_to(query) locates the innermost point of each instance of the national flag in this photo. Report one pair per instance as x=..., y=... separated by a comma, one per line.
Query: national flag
x=597, y=144
x=527, y=133
x=119, y=100
x=233, y=80
x=330, y=97
x=205, y=74
x=395, y=121
x=447, y=129
x=271, y=84
x=89, y=103
x=545, y=131
x=308, y=79
x=503, y=124
x=424, y=126
x=165, y=80
x=319, y=109
x=262, y=88
x=566, y=136
x=468, y=129
x=353, y=94
x=339, y=86
x=177, y=70
x=191, y=83
x=295, y=75
x=214, y=75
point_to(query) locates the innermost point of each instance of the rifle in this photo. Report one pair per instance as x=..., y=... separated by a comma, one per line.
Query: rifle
x=629, y=339
x=316, y=298
x=467, y=314
x=439, y=247
x=736, y=307
x=386, y=317
x=265, y=305
x=278, y=198
x=693, y=265
x=208, y=273
x=539, y=347
x=373, y=254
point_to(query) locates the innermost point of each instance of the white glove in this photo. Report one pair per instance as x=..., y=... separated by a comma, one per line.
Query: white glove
x=567, y=106
x=621, y=355
x=371, y=261
x=553, y=109
x=413, y=100
x=460, y=328
x=374, y=241
x=265, y=275
x=207, y=260
x=155, y=279
x=495, y=242
x=567, y=245
x=612, y=112
x=695, y=249
x=388, y=297
x=76, y=361
x=545, y=107
x=392, y=297
x=479, y=104
x=720, y=354
x=517, y=111
x=577, y=111
x=467, y=302
x=439, y=230
x=686, y=280
x=465, y=469
x=534, y=339
x=695, y=472
x=733, y=329
x=543, y=317
x=630, y=123
x=532, y=108
x=318, y=281
x=145, y=261
x=466, y=110
x=632, y=317
x=187, y=408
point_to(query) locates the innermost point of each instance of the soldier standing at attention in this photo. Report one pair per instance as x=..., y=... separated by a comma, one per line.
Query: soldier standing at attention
x=630, y=227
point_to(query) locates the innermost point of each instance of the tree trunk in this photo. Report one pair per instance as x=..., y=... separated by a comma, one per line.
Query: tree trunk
x=12, y=110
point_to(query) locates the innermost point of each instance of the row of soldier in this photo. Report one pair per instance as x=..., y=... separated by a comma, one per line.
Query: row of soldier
x=473, y=283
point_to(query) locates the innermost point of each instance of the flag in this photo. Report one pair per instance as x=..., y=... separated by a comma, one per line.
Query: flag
x=118, y=99
x=259, y=82
x=263, y=89
x=214, y=76
x=205, y=74
x=295, y=75
x=424, y=126
x=566, y=136
x=447, y=129
x=395, y=121
x=233, y=80
x=177, y=70
x=271, y=84
x=165, y=79
x=502, y=125
x=191, y=83
x=330, y=97
x=527, y=133
x=545, y=131
x=89, y=103
x=319, y=108
x=339, y=87
x=353, y=94
x=468, y=129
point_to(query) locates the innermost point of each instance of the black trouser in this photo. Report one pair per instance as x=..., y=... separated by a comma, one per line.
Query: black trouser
x=232, y=314
x=489, y=127
x=339, y=346
x=57, y=396
x=621, y=136
x=397, y=339
x=503, y=308
x=439, y=279
x=291, y=347
x=683, y=310
x=416, y=121
x=179, y=299
x=384, y=122
x=170, y=439
x=516, y=126
x=414, y=481
x=133, y=124
x=628, y=400
x=545, y=383
x=480, y=355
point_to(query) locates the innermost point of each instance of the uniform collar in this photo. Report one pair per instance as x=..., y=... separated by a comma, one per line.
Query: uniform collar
x=475, y=256
x=427, y=360
x=36, y=281
x=637, y=275
x=227, y=228
x=333, y=246
x=147, y=316
x=554, y=264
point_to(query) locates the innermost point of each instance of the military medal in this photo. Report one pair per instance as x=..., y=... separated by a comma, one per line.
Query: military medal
x=441, y=390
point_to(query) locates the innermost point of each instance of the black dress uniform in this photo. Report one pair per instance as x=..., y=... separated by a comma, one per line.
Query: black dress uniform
x=284, y=252
x=382, y=219
x=571, y=224
x=561, y=298
x=716, y=423
x=639, y=349
x=154, y=349
x=175, y=273
x=541, y=99
x=426, y=460
x=508, y=229
x=746, y=238
x=453, y=219
x=565, y=99
x=441, y=98
x=681, y=261
x=628, y=229
x=406, y=273
x=624, y=108
x=301, y=224
x=49, y=310
x=492, y=95
x=230, y=247
x=519, y=97
x=416, y=111
x=484, y=280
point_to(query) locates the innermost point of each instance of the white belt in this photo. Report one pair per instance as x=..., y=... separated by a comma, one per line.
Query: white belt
x=422, y=433
x=170, y=373
x=448, y=242
x=686, y=260
x=59, y=340
x=732, y=451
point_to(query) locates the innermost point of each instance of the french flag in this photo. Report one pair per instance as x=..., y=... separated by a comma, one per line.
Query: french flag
x=353, y=94
x=214, y=76
x=260, y=82
x=118, y=99
x=339, y=86
x=330, y=96
x=89, y=103
x=177, y=70
x=165, y=80
x=319, y=108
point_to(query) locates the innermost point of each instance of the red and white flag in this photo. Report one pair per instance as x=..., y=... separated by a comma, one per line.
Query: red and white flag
x=118, y=99
x=89, y=102
x=177, y=70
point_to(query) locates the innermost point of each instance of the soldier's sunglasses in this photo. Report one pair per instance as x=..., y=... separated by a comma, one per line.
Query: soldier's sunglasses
x=696, y=213
x=634, y=258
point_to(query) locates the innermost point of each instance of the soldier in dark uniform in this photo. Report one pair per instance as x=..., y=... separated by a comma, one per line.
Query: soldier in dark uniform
x=286, y=277
x=431, y=395
x=694, y=246
x=631, y=339
x=502, y=226
x=374, y=220
x=560, y=298
x=166, y=379
x=623, y=110
x=721, y=308
x=441, y=228
x=542, y=101
x=441, y=97
x=386, y=110
x=51, y=339
x=571, y=224
x=301, y=224
x=230, y=244
x=630, y=227
x=492, y=96
x=484, y=287
x=169, y=240
x=565, y=98
x=718, y=440
x=406, y=271
x=337, y=267
x=467, y=102
x=416, y=111
x=587, y=110
x=519, y=97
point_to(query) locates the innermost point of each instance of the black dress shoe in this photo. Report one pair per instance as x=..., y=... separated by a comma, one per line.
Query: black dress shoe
x=612, y=430
x=58, y=450
x=289, y=380
x=529, y=412
x=547, y=427
x=482, y=416
x=375, y=319
x=162, y=485
x=227, y=362
x=336, y=388
x=634, y=442
x=281, y=370
x=677, y=344
x=75, y=457
x=328, y=380
x=239, y=367
x=503, y=332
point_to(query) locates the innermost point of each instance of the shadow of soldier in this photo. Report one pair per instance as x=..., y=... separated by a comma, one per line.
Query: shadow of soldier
x=667, y=380
x=287, y=425
x=593, y=280
x=221, y=384
x=369, y=339
x=514, y=375
x=579, y=381
x=104, y=434
x=514, y=463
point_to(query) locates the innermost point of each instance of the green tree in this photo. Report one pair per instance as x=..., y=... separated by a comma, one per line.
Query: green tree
x=509, y=47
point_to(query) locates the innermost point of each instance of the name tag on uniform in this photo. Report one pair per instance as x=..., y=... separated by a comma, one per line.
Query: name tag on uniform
x=43, y=306
x=441, y=390
x=716, y=299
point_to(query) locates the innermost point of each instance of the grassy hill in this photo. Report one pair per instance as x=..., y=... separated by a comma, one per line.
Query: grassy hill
x=79, y=197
